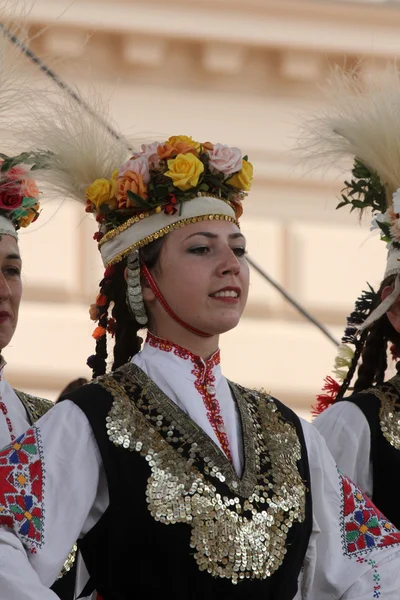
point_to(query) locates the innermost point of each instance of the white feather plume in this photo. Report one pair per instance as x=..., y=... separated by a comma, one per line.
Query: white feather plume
x=362, y=121
x=16, y=76
x=79, y=145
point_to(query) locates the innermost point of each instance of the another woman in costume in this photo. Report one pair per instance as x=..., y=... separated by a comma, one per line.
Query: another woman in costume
x=170, y=475
x=362, y=429
x=19, y=206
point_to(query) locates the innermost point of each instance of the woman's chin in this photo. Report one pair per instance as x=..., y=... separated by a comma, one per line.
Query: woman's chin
x=222, y=325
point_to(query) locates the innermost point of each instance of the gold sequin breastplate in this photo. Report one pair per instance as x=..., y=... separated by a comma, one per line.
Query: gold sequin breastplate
x=239, y=525
x=389, y=413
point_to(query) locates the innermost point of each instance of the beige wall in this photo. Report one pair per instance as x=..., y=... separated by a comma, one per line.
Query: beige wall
x=228, y=71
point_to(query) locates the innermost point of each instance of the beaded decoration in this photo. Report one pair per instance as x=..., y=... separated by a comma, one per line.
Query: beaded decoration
x=389, y=412
x=240, y=533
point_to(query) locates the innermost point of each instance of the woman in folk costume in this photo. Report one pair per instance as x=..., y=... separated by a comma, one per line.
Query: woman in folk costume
x=167, y=472
x=19, y=206
x=362, y=429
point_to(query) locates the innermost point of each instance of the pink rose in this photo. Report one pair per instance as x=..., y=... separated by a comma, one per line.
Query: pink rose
x=150, y=149
x=16, y=173
x=225, y=159
x=138, y=165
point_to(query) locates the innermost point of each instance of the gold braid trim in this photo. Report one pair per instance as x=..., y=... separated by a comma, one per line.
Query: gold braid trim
x=35, y=407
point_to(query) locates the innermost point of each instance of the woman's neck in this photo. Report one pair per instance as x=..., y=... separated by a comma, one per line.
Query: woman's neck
x=203, y=347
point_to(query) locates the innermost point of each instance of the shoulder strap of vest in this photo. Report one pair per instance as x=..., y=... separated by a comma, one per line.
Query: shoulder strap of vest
x=35, y=407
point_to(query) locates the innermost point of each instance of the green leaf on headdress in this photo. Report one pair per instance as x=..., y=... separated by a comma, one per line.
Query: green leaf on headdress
x=161, y=191
x=365, y=190
x=29, y=202
x=341, y=204
x=204, y=187
x=246, y=158
x=137, y=200
x=10, y=162
x=385, y=228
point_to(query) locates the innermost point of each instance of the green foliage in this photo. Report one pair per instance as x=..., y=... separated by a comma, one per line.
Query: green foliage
x=364, y=190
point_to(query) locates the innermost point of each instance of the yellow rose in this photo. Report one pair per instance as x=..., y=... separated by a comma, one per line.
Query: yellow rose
x=174, y=140
x=185, y=170
x=102, y=191
x=242, y=180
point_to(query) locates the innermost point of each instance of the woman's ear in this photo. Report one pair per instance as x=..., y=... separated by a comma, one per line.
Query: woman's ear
x=147, y=292
x=393, y=314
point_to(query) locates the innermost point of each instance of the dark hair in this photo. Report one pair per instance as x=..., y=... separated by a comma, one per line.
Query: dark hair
x=71, y=387
x=122, y=324
x=372, y=348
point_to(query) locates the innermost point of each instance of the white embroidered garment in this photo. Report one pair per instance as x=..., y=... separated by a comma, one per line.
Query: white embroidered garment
x=13, y=417
x=348, y=437
x=70, y=494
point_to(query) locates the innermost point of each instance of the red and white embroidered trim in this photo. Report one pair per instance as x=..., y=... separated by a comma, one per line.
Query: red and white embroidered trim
x=3, y=409
x=204, y=384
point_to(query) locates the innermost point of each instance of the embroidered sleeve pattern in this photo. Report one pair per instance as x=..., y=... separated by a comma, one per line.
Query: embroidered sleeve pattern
x=364, y=527
x=21, y=488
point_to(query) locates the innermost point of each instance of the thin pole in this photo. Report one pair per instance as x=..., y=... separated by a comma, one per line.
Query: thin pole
x=60, y=83
x=292, y=301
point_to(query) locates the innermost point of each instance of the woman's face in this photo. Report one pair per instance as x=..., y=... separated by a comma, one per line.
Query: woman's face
x=203, y=275
x=10, y=288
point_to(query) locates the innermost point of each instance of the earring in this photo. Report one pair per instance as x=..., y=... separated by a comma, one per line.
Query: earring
x=134, y=297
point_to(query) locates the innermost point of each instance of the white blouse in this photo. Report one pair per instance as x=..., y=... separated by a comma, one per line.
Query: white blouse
x=348, y=437
x=74, y=496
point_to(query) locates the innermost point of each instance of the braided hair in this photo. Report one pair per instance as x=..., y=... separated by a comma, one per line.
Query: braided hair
x=371, y=347
x=122, y=325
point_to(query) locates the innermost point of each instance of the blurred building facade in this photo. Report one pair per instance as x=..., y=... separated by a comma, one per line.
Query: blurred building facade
x=231, y=72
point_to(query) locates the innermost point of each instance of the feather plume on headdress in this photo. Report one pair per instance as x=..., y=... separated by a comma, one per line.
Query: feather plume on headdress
x=362, y=121
x=79, y=147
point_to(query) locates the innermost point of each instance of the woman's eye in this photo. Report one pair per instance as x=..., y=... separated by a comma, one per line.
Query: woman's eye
x=12, y=271
x=199, y=250
x=239, y=251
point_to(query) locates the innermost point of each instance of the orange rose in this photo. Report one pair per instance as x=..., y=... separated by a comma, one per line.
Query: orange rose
x=171, y=150
x=132, y=182
x=208, y=146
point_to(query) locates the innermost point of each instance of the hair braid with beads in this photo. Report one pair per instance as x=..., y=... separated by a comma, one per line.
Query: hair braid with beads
x=122, y=325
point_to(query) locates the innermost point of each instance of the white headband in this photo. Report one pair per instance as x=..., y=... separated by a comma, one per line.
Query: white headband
x=127, y=240
x=7, y=228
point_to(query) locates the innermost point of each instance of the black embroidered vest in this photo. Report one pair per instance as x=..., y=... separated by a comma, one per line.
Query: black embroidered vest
x=180, y=521
x=381, y=407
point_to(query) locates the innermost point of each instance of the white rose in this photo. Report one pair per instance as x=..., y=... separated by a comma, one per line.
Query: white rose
x=225, y=159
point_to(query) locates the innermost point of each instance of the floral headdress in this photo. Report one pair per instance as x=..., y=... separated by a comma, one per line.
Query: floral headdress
x=363, y=123
x=19, y=195
x=161, y=188
x=164, y=186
